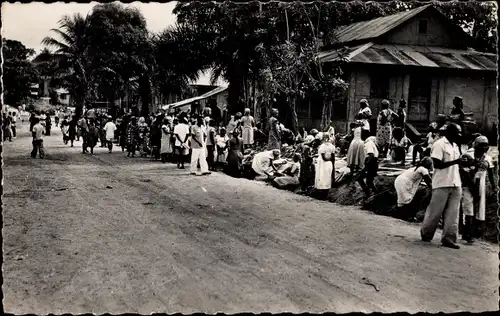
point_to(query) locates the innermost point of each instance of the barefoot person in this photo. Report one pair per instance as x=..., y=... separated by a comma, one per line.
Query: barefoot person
x=38, y=130
x=181, y=134
x=446, y=189
x=199, y=150
x=110, y=129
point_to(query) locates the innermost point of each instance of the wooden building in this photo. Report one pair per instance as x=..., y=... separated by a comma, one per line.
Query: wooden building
x=420, y=56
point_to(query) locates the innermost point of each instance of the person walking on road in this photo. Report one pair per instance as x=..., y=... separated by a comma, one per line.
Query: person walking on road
x=13, y=120
x=48, y=125
x=110, y=129
x=37, y=133
x=198, y=145
x=132, y=136
x=65, y=124
x=446, y=189
x=181, y=134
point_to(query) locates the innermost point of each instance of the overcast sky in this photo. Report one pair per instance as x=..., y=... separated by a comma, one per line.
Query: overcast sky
x=29, y=23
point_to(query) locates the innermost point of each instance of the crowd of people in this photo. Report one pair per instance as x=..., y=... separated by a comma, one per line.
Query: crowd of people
x=241, y=148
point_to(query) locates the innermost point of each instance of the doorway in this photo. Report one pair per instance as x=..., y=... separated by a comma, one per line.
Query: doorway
x=419, y=98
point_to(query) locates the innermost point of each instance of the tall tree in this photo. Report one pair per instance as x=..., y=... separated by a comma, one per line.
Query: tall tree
x=74, y=65
x=18, y=71
x=120, y=40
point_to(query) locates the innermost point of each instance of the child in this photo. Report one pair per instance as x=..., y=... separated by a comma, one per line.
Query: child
x=423, y=148
x=221, y=147
x=400, y=145
x=370, y=169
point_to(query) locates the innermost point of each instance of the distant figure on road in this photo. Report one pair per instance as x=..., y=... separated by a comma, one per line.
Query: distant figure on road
x=181, y=134
x=92, y=135
x=199, y=149
x=37, y=133
x=132, y=136
x=13, y=120
x=65, y=125
x=48, y=125
x=446, y=189
x=110, y=129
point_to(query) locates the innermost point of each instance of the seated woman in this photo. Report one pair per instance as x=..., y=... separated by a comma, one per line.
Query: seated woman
x=407, y=183
x=263, y=164
x=400, y=145
x=289, y=178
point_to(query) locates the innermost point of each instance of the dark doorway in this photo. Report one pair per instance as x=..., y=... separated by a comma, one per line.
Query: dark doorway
x=419, y=98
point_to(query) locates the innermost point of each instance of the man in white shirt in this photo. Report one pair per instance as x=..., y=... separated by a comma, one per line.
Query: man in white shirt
x=198, y=144
x=181, y=133
x=110, y=129
x=37, y=133
x=446, y=189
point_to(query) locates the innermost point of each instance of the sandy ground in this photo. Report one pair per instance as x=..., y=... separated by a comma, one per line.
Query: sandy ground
x=107, y=234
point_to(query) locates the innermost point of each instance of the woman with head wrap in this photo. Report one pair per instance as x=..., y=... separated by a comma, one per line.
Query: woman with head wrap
x=247, y=125
x=263, y=164
x=143, y=132
x=356, y=151
x=474, y=194
x=274, y=140
x=384, y=128
x=325, y=165
x=221, y=142
x=364, y=114
x=166, y=144
x=235, y=155
x=407, y=183
x=289, y=179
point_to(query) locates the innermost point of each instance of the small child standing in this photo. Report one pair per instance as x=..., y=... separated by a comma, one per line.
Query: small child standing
x=221, y=148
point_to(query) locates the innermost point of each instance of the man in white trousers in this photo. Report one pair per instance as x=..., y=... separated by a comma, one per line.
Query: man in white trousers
x=199, y=150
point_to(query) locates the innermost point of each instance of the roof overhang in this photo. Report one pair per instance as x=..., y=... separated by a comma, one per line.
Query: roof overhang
x=185, y=102
x=417, y=56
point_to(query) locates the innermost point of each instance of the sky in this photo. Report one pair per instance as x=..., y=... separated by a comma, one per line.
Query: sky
x=29, y=23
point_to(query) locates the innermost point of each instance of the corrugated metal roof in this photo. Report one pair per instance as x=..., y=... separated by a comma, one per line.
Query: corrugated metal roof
x=376, y=27
x=452, y=59
x=407, y=55
x=191, y=100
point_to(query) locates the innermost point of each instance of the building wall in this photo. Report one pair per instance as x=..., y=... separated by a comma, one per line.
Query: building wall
x=437, y=33
x=477, y=91
x=479, y=96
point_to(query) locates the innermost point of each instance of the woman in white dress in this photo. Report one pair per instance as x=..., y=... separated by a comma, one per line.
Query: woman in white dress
x=247, y=124
x=325, y=165
x=407, y=183
x=166, y=147
x=263, y=164
x=356, y=151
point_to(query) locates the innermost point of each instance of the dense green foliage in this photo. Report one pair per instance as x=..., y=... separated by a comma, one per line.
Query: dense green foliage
x=18, y=72
x=265, y=51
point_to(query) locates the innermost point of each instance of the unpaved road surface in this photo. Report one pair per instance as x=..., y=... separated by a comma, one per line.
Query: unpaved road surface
x=107, y=234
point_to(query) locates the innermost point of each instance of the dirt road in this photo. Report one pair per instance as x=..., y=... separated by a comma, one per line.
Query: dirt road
x=107, y=234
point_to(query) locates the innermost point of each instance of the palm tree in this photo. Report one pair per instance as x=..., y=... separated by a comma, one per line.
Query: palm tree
x=73, y=63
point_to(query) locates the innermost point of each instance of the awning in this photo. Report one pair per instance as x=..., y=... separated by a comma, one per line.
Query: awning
x=421, y=56
x=191, y=100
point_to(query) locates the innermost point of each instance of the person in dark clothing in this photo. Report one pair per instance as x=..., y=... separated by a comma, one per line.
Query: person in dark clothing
x=72, y=132
x=156, y=137
x=48, y=125
x=123, y=132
